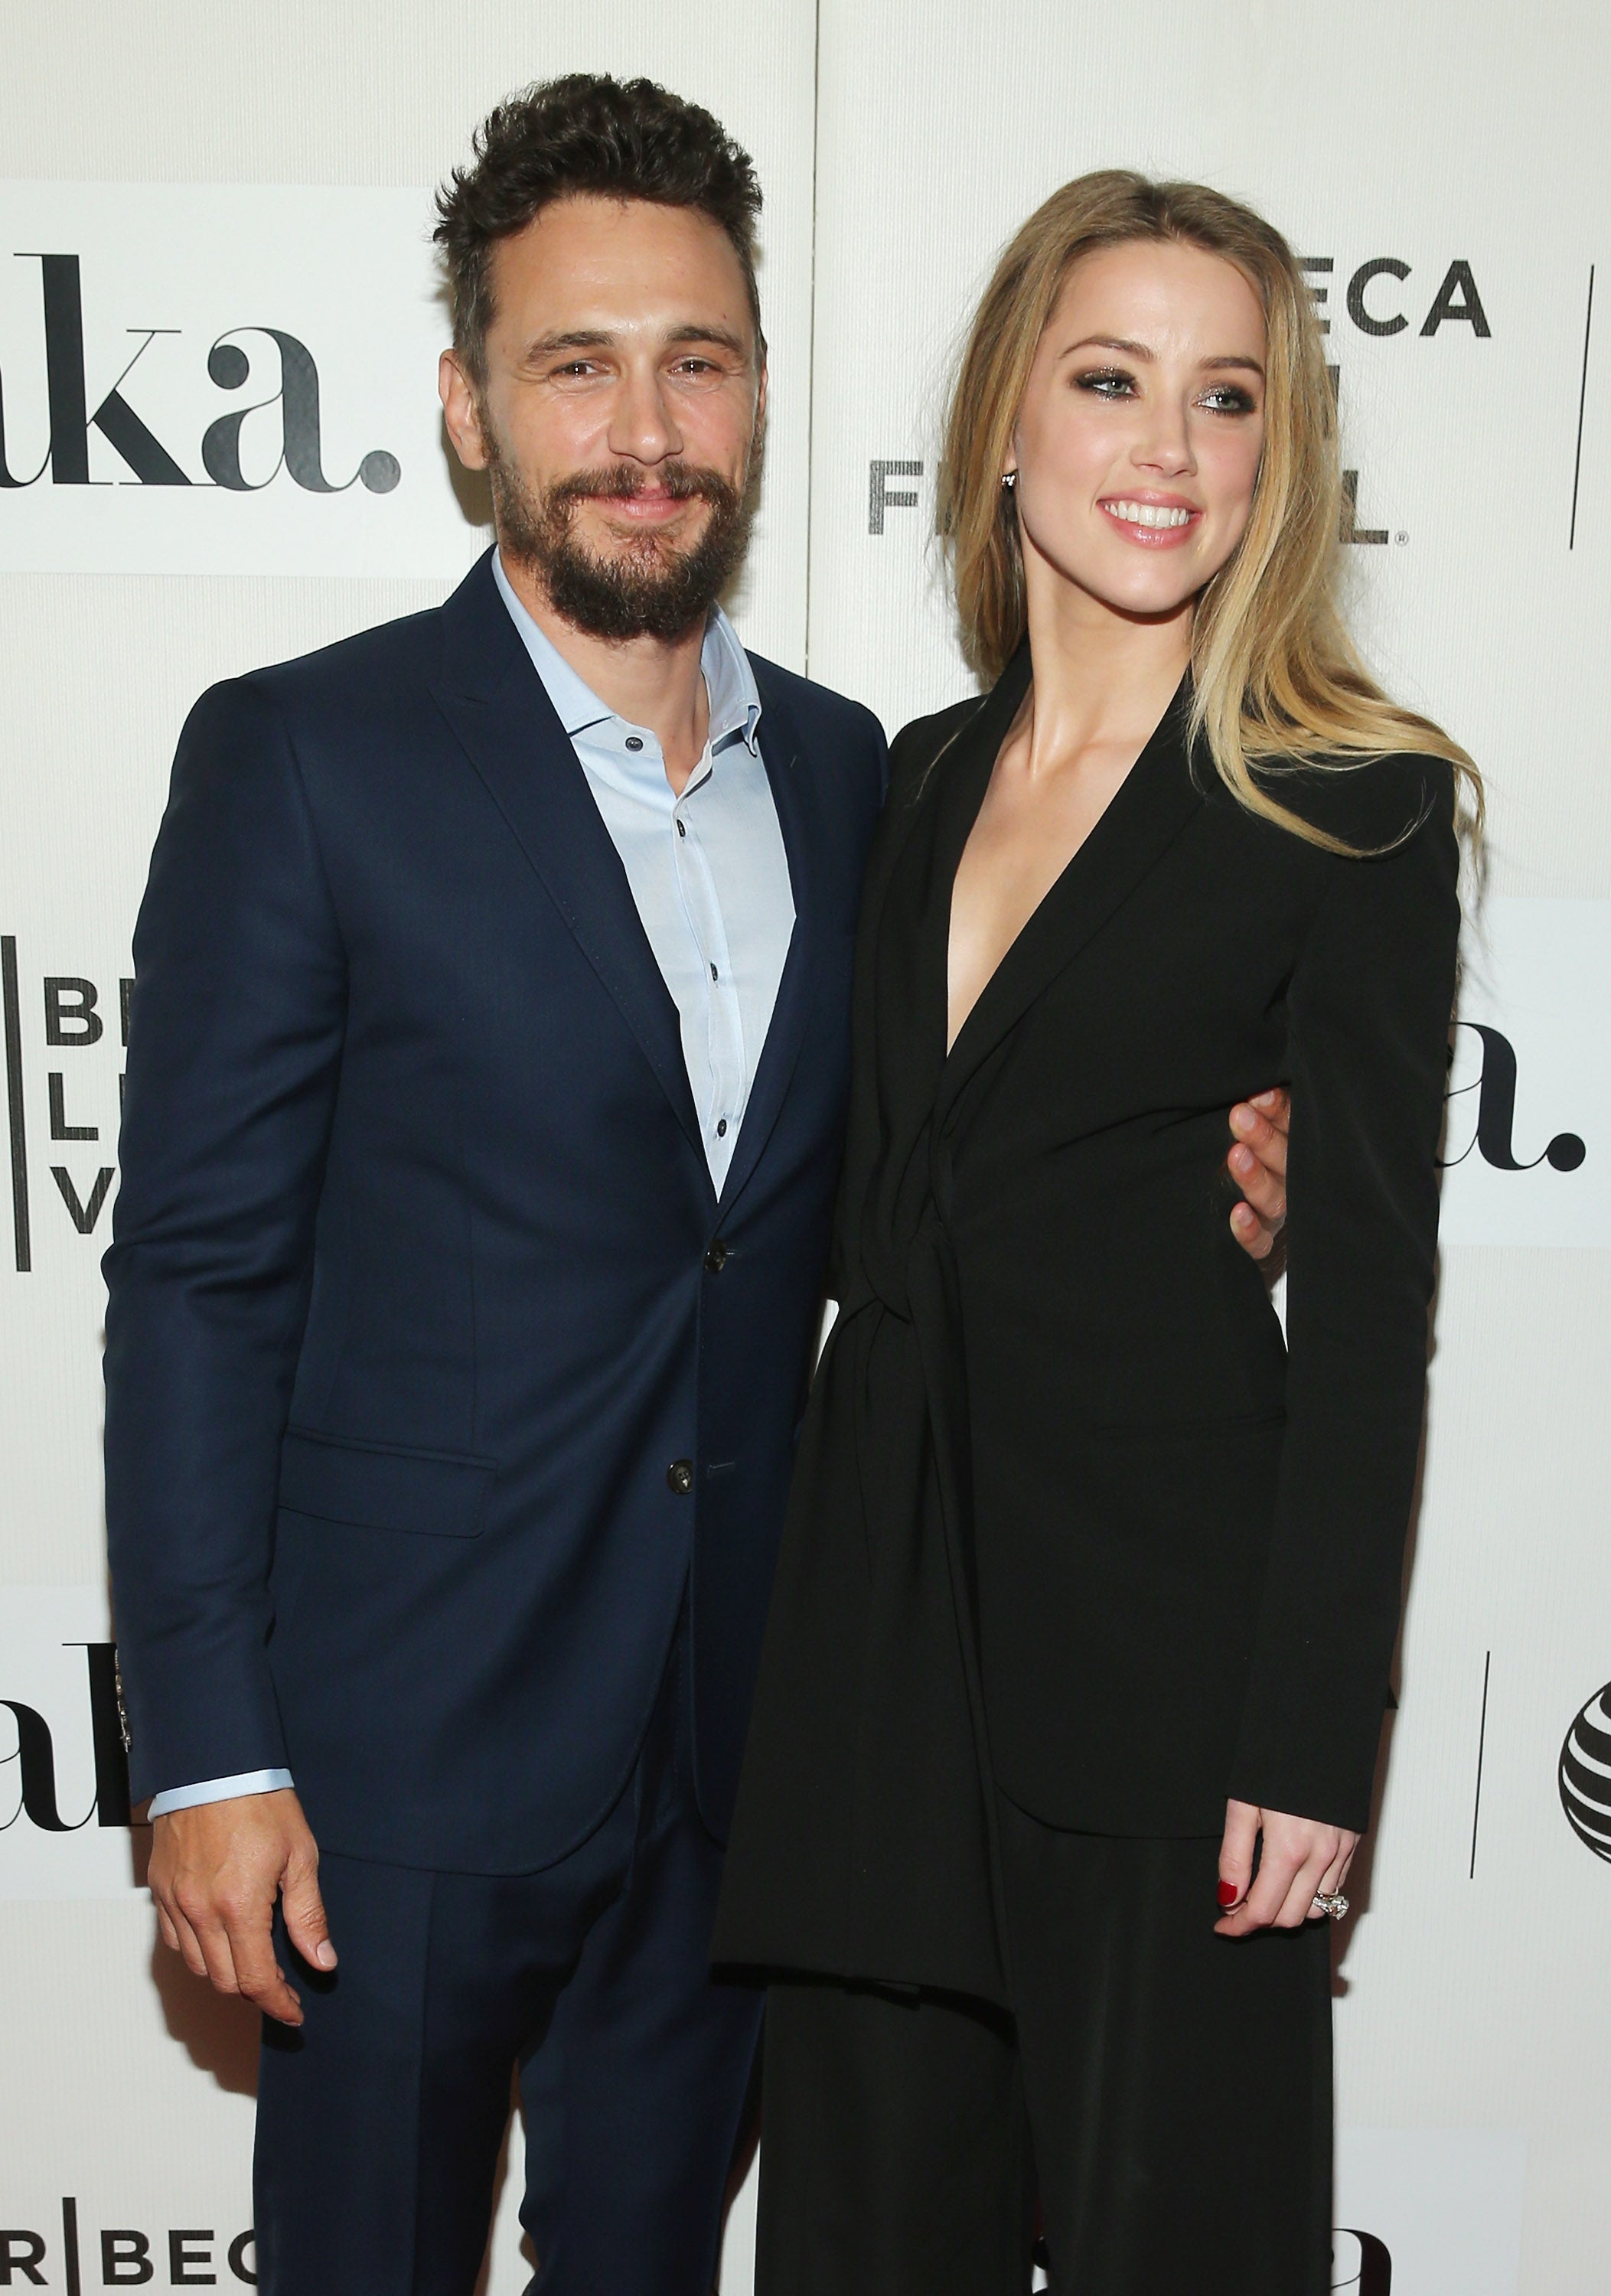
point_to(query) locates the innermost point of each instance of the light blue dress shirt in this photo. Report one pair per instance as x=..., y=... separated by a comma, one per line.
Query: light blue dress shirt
x=710, y=877
x=708, y=869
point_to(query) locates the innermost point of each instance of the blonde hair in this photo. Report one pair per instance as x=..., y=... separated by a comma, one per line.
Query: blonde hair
x=1276, y=678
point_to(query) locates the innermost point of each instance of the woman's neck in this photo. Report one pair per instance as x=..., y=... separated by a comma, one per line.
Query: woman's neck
x=1102, y=679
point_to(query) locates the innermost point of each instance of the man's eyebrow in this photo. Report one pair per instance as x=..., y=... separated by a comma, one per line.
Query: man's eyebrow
x=695, y=332
x=1141, y=351
x=598, y=338
x=574, y=339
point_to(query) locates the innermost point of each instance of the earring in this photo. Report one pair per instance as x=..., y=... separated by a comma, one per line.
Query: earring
x=1009, y=480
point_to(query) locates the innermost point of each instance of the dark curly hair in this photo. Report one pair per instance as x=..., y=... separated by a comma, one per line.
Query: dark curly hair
x=586, y=132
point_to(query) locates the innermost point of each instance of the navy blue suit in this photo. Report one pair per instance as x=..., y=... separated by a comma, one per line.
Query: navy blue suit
x=440, y=1384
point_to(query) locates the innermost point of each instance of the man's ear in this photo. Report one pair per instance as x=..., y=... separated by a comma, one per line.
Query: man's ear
x=461, y=411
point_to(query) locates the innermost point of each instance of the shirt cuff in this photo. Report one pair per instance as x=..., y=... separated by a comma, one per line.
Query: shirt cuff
x=249, y=1782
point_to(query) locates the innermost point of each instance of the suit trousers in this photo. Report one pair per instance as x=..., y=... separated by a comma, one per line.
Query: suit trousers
x=381, y=2121
x=1160, y=2096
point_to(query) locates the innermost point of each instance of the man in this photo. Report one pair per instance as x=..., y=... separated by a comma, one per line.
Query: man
x=485, y=1089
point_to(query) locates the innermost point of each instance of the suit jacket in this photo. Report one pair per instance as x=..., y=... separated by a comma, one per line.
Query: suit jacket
x=1068, y=1520
x=419, y=1288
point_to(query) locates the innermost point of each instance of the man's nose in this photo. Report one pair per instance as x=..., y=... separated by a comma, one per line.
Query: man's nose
x=641, y=422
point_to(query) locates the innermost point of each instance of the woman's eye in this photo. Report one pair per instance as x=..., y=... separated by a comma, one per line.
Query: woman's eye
x=1106, y=382
x=1226, y=398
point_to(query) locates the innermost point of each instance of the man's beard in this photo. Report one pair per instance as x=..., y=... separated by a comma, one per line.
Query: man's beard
x=650, y=588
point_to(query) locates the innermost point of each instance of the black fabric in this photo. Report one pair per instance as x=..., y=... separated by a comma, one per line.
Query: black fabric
x=379, y=2121
x=1065, y=1516
x=1167, y=2090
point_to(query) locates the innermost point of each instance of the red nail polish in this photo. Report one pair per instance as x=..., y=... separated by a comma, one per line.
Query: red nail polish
x=1228, y=1894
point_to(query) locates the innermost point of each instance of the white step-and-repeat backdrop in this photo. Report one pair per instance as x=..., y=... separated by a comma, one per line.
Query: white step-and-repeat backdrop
x=219, y=445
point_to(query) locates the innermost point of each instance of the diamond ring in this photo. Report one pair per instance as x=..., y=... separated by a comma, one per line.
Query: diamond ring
x=1332, y=1902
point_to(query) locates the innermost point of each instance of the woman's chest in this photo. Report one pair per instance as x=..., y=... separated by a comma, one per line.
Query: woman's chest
x=1146, y=980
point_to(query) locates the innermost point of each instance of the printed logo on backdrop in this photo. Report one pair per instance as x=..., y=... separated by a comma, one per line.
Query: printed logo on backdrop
x=1373, y=308
x=1490, y=1131
x=229, y=379
x=61, y=1108
x=64, y=1807
x=291, y=437
x=126, y=2257
x=1361, y=2263
x=1586, y=1774
x=1529, y=1106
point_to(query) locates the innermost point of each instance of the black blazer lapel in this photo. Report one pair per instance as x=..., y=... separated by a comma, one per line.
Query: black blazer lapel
x=497, y=706
x=1152, y=806
x=781, y=754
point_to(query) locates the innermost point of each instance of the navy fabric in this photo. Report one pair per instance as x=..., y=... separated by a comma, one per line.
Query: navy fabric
x=419, y=1287
x=379, y=2119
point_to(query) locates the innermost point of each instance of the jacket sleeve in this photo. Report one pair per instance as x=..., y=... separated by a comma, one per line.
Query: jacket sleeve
x=235, y=1036
x=1368, y=1011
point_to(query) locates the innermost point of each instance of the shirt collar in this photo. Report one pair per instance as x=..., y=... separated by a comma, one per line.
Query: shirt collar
x=731, y=687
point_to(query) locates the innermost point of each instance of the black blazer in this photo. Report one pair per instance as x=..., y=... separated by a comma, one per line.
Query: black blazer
x=1066, y=1514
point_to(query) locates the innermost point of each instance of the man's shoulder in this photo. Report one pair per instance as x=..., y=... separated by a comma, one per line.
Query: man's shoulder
x=354, y=676
x=385, y=674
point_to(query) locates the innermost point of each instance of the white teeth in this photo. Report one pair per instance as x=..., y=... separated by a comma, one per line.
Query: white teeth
x=1148, y=513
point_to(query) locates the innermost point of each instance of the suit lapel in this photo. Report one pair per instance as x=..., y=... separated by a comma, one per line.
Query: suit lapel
x=781, y=755
x=499, y=708
x=1152, y=805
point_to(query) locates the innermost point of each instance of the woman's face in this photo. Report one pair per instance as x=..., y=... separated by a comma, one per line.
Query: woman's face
x=1137, y=444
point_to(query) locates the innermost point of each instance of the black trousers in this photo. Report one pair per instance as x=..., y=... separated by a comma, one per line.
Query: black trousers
x=379, y=2120
x=1160, y=2095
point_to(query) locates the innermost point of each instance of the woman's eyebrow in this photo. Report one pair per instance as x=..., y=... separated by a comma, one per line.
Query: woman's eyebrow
x=1141, y=351
x=1109, y=343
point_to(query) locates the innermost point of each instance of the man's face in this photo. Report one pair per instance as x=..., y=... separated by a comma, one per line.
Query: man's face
x=621, y=415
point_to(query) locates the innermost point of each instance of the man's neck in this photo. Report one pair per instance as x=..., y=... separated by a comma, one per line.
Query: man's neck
x=652, y=682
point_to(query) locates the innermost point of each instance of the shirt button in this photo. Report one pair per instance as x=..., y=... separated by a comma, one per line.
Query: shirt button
x=721, y=1129
x=635, y=742
x=682, y=829
x=679, y=1474
x=714, y=975
x=716, y=1258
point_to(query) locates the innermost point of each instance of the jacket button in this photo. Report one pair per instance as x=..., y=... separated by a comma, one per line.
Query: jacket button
x=679, y=1474
x=716, y=1258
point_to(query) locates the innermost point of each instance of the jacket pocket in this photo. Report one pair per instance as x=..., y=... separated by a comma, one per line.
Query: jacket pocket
x=440, y=1494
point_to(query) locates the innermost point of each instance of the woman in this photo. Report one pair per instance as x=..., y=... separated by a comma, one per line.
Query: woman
x=1089, y=1589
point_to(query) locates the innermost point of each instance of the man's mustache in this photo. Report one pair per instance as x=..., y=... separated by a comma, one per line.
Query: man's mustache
x=683, y=481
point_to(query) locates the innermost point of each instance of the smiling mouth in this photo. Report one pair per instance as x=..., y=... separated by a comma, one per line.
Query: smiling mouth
x=645, y=504
x=1152, y=518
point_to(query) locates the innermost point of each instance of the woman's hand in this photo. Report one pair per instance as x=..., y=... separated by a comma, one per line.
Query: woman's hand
x=1302, y=1860
x=1257, y=1163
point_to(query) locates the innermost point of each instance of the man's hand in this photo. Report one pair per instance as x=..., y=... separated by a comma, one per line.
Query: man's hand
x=215, y=1873
x=1258, y=1165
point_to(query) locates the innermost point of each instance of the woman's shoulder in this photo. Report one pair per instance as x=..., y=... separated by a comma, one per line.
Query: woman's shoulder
x=918, y=744
x=1374, y=805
